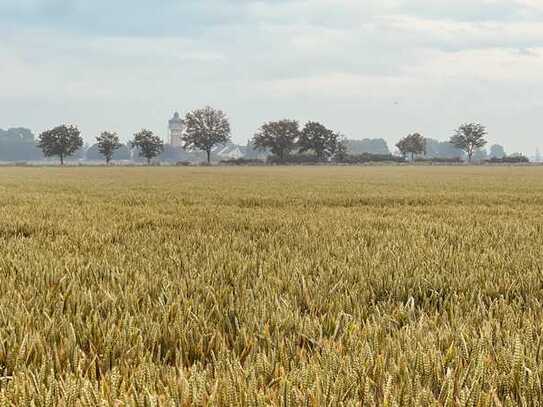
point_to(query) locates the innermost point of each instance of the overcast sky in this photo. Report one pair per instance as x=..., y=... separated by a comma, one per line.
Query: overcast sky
x=367, y=68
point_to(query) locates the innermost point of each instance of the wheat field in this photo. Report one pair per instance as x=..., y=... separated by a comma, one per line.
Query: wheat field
x=343, y=286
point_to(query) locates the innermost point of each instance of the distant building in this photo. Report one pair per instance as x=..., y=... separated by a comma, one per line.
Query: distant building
x=229, y=152
x=176, y=125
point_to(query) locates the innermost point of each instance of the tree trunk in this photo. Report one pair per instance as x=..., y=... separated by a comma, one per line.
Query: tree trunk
x=148, y=160
x=208, y=156
x=61, y=160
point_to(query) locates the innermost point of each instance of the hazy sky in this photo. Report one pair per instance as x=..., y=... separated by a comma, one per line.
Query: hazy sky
x=367, y=68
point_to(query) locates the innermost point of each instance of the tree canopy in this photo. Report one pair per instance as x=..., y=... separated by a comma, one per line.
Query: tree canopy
x=497, y=151
x=342, y=149
x=367, y=145
x=317, y=138
x=469, y=137
x=204, y=129
x=279, y=137
x=442, y=149
x=148, y=145
x=480, y=155
x=17, y=134
x=93, y=154
x=17, y=144
x=62, y=141
x=412, y=144
x=107, y=144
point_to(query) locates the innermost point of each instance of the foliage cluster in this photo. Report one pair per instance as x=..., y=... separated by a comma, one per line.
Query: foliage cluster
x=510, y=159
x=368, y=158
x=295, y=159
x=412, y=144
x=469, y=137
x=206, y=128
x=284, y=137
x=107, y=144
x=62, y=141
x=372, y=146
x=17, y=144
x=445, y=160
x=242, y=161
x=148, y=144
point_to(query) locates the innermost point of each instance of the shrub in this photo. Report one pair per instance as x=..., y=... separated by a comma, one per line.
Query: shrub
x=368, y=157
x=183, y=163
x=242, y=161
x=451, y=160
x=295, y=159
x=510, y=159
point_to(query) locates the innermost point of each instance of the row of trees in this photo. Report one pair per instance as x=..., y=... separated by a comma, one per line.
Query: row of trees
x=206, y=128
x=469, y=137
x=284, y=137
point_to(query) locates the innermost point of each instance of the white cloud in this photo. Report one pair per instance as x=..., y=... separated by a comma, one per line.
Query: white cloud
x=345, y=62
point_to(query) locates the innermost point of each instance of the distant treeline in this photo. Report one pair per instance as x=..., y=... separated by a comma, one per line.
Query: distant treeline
x=20, y=144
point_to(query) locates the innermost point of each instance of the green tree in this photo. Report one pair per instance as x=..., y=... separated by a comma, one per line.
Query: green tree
x=342, y=148
x=93, y=154
x=372, y=146
x=412, y=144
x=441, y=149
x=469, y=137
x=107, y=144
x=204, y=129
x=62, y=141
x=317, y=138
x=18, y=144
x=148, y=145
x=481, y=154
x=497, y=151
x=279, y=137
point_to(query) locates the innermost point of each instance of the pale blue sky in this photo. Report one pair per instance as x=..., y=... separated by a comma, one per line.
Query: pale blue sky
x=366, y=68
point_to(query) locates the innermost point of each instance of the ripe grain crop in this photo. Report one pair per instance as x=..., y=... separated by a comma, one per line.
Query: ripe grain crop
x=374, y=286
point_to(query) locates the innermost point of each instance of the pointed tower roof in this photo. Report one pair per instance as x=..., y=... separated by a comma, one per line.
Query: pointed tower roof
x=176, y=120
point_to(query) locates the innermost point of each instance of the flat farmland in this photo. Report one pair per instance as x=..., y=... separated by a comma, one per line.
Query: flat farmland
x=302, y=286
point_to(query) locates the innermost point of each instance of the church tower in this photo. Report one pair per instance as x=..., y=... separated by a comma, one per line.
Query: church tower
x=176, y=126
